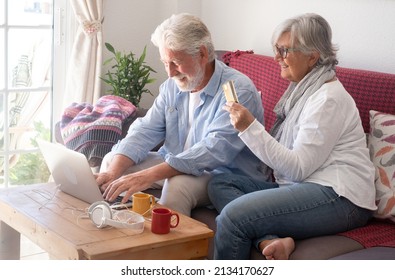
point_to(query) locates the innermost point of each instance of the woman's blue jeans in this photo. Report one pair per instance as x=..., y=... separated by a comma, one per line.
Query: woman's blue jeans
x=253, y=211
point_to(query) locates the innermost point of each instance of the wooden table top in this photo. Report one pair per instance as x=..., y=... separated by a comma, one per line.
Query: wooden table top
x=59, y=224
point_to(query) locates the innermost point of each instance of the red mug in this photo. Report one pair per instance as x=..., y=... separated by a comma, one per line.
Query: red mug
x=162, y=220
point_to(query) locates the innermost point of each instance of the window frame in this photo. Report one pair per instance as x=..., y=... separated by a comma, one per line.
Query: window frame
x=63, y=27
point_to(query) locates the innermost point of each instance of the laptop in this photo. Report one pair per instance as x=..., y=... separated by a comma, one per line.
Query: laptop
x=71, y=172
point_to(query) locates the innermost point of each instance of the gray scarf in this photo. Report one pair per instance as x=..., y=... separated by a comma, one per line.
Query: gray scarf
x=291, y=104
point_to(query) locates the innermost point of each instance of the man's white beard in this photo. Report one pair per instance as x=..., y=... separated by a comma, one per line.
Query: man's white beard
x=190, y=84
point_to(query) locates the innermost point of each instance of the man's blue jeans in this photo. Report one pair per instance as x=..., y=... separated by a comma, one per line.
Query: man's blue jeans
x=253, y=211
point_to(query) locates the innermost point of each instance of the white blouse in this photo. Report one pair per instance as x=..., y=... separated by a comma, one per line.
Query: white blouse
x=328, y=147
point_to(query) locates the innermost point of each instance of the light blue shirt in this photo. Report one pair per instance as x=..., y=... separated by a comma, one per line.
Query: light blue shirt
x=215, y=144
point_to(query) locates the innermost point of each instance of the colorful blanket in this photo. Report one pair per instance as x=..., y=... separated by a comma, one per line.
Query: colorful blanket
x=93, y=130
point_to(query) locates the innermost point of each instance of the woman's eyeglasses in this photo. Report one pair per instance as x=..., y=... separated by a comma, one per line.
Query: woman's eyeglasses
x=283, y=51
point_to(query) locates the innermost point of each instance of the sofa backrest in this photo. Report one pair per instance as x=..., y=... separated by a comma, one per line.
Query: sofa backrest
x=370, y=90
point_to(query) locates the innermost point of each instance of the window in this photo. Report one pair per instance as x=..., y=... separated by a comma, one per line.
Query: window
x=26, y=87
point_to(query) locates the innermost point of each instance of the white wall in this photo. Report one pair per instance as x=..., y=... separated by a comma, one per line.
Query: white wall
x=128, y=25
x=363, y=29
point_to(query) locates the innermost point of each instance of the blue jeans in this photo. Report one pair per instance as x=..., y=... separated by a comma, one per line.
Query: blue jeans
x=253, y=211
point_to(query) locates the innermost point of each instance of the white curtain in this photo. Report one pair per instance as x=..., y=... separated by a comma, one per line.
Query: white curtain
x=84, y=70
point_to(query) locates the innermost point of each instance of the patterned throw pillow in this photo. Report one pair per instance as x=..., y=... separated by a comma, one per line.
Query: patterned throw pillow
x=381, y=142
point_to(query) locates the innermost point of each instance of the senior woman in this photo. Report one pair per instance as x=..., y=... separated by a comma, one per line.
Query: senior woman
x=324, y=179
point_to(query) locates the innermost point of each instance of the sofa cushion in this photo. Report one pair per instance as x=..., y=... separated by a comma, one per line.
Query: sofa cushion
x=375, y=253
x=318, y=248
x=381, y=143
x=324, y=247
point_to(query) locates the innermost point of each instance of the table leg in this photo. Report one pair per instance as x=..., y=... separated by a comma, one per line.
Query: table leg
x=10, y=242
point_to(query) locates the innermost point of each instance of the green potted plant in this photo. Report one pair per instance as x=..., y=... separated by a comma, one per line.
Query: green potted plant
x=128, y=76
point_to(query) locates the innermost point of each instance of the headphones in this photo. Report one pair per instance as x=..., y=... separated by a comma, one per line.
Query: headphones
x=102, y=215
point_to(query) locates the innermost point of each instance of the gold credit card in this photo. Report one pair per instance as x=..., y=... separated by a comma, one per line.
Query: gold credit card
x=230, y=92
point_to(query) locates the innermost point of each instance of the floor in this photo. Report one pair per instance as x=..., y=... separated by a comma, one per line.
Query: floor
x=30, y=251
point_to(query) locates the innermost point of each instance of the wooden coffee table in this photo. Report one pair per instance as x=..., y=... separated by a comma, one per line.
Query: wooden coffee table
x=58, y=224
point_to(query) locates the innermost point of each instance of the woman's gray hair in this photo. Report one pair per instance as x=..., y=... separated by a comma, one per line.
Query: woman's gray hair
x=309, y=32
x=184, y=32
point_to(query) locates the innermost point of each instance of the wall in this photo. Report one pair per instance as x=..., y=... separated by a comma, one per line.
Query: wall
x=128, y=25
x=363, y=29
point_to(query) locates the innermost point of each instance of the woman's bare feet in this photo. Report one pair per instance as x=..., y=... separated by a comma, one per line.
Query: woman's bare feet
x=277, y=249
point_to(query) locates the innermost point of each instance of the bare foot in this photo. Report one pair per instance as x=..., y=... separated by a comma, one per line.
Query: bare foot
x=277, y=249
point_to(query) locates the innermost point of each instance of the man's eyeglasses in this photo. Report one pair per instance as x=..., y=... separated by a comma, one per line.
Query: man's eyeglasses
x=283, y=51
